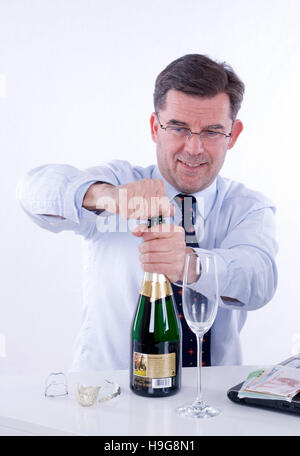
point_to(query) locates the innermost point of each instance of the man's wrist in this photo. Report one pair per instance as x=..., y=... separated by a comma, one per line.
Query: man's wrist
x=194, y=273
x=93, y=194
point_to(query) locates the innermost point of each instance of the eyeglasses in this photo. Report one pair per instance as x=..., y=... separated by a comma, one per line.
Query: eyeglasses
x=183, y=133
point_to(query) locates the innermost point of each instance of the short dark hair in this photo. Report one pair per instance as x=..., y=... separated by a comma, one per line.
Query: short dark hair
x=196, y=74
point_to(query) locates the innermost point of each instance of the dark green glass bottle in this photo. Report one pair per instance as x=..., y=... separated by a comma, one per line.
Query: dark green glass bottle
x=155, y=364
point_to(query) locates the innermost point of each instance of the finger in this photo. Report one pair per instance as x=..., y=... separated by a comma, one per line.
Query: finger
x=143, y=228
x=156, y=258
x=162, y=231
x=140, y=230
x=157, y=245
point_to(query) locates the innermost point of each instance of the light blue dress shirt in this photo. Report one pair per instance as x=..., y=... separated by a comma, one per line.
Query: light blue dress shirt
x=236, y=223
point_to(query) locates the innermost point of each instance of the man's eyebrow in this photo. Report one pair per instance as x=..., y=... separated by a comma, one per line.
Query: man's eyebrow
x=214, y=127
x=207, y=127
x=177, y=122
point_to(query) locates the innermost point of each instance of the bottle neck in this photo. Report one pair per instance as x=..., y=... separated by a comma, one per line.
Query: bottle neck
x=155, y=278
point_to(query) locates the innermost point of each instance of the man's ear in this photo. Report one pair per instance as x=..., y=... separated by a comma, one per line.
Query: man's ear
x=236, y=131
x=154, y=126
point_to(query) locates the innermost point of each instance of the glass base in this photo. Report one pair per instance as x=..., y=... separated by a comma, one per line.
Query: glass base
x=197, y=410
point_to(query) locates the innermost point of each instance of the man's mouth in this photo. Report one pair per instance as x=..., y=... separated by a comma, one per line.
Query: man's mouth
x=191, y=164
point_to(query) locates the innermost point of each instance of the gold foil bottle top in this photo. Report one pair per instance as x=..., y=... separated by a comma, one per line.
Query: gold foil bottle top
x=156, y=286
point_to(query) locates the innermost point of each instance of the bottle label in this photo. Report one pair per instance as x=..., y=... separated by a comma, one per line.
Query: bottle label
x=154, y=371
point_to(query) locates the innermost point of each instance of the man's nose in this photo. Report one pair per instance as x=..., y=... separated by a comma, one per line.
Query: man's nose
x=194, y=144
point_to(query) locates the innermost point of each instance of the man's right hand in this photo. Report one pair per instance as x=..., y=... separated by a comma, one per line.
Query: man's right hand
x=143, y=199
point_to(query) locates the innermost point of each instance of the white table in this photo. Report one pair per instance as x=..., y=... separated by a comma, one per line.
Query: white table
x=25, y=411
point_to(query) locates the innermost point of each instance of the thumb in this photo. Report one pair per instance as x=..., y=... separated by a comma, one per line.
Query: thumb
x=139, y=230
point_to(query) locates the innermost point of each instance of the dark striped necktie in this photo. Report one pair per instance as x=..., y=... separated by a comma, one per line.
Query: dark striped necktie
x=188, y=207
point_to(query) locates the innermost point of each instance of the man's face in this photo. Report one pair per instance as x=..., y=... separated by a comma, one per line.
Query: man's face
x=191, y=165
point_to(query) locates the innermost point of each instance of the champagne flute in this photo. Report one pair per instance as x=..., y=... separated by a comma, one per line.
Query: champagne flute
x=200, y=305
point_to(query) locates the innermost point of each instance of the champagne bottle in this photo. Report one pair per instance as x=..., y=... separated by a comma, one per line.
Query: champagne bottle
x=155, y=365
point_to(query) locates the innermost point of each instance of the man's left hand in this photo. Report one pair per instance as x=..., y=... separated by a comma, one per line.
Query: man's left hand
x=163, y=250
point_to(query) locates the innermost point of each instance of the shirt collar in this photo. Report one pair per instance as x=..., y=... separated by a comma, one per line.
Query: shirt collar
x=205, y=198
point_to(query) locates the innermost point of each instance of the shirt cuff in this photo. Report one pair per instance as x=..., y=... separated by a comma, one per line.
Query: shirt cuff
x=75, y=192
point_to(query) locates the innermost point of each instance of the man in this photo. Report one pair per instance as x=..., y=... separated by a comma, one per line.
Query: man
x=194, y=124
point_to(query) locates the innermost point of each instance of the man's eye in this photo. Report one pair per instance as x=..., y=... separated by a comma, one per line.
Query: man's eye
x=178, y=130
x=210, y=133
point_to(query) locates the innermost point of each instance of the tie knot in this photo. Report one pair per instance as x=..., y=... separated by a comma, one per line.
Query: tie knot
x=183, y=197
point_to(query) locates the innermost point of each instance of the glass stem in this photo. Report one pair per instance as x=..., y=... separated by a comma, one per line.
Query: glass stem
x=199, y=367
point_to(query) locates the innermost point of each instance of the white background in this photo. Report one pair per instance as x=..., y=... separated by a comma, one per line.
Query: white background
x=76, y=85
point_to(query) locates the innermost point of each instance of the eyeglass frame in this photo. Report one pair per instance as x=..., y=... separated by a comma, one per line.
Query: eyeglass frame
x=229, y=135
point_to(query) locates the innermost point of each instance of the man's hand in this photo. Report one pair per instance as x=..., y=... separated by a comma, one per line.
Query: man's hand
x=163, y=250
x=138, y=200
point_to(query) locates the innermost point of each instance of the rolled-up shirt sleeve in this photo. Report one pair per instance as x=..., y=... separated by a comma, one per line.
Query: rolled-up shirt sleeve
x=245, y=260
x=52, y=195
